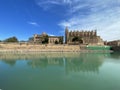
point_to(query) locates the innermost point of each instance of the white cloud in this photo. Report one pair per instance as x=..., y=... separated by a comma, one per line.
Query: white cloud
x=47, y=4
x=103, y=16
x=90, y=14
x=50, y=34
x=33, y=23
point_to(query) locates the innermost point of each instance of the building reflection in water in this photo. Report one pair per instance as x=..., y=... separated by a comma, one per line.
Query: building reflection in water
x=115, y=55
x=84, y=63
x=45, y=62
x=72, y=62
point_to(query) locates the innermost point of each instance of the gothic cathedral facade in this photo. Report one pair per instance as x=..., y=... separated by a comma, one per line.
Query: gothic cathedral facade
x=82, y=37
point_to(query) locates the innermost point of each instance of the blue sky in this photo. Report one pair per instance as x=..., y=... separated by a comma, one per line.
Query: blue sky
x=23, y=18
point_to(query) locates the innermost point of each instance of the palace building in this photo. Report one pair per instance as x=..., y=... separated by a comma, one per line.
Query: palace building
x=82, y=37
x=44, y=38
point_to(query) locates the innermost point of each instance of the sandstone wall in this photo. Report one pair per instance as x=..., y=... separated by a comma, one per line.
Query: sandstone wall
x=38, y=48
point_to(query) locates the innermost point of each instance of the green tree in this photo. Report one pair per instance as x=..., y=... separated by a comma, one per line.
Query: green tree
x=77, y=39
x=11, y=39
x=56, y=42
x=31, y=39
x=61, y=40
x=45, y=39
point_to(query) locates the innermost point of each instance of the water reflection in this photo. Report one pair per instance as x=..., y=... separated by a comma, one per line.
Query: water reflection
x=10, y=62
x=84, y=63
x=44, y=62
x=115, y=55
x=72, y=62
x=59, y=71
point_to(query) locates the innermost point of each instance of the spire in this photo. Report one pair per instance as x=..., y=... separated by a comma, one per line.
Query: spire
x=96, y=32
x=66, y=29
x=66, y=35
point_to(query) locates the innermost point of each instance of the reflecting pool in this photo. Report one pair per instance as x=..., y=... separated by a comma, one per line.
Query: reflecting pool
x=60, y=71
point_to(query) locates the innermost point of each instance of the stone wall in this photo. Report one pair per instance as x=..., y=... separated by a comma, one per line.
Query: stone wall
x=38, y=48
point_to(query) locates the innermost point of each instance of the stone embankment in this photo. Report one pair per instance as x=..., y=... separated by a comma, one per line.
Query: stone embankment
x=32, y=48
x=38, y=48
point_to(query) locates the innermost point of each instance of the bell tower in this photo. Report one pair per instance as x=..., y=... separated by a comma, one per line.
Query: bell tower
x=66, y=35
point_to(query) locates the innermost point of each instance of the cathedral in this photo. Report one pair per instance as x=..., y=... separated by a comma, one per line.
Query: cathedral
x=82, y=37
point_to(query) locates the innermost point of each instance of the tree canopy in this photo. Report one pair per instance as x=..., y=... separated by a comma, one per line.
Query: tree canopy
x=77, y=39
x=31, y=39
x=61, y=40
x=11, y=39
x=56, y=42
x=45, y=39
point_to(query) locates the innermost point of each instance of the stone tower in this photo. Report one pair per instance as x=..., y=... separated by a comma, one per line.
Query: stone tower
x=66, y=35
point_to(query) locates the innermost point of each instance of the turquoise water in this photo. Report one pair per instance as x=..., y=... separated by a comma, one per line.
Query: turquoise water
x=60, y=71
